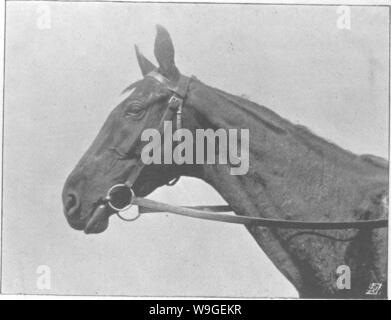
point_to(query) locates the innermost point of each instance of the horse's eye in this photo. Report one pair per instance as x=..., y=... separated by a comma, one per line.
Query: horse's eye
x=135, y=111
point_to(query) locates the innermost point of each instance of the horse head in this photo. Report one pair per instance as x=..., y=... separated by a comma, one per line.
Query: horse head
x=114, y=156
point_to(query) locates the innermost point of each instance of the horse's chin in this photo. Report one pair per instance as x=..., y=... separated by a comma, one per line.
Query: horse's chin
x=144, y=186
x=99, y=220
x=141, y=191
x=99, y=227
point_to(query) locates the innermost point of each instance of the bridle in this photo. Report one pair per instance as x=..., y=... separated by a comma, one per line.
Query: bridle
x=174, y=109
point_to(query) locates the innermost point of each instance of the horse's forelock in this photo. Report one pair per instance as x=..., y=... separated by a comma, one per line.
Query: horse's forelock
x=131, y=87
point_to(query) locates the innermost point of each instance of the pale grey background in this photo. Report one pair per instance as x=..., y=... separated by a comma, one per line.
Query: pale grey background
x=61, y=84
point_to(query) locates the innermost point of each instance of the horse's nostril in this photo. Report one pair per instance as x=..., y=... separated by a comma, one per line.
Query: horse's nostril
x=72, y=204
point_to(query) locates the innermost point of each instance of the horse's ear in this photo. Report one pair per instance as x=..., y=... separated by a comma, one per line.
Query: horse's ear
x=146, y=66
x=165, y=54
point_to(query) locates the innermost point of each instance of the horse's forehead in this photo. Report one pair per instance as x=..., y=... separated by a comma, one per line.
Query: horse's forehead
x=145, y=89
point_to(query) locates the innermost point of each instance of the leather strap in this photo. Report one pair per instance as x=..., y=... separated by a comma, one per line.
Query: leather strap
x=149, y=206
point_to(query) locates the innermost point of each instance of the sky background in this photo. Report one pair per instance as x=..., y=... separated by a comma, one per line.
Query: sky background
x=62, y=82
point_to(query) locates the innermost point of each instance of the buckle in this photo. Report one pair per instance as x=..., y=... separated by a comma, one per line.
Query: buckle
x=174, y=102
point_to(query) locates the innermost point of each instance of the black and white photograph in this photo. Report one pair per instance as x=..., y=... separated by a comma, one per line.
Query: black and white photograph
x=195, y=150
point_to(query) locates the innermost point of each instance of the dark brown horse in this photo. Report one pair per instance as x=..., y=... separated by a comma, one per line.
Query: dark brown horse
x=293, y=175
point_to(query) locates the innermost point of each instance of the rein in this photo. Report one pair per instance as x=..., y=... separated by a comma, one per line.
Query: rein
x=199, y=212
x=116, y=194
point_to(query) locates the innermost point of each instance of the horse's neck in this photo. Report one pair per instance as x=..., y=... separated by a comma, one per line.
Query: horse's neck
x=293, y=173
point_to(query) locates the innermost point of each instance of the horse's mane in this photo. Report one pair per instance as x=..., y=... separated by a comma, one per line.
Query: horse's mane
x=282, y=126
x=266, y=116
